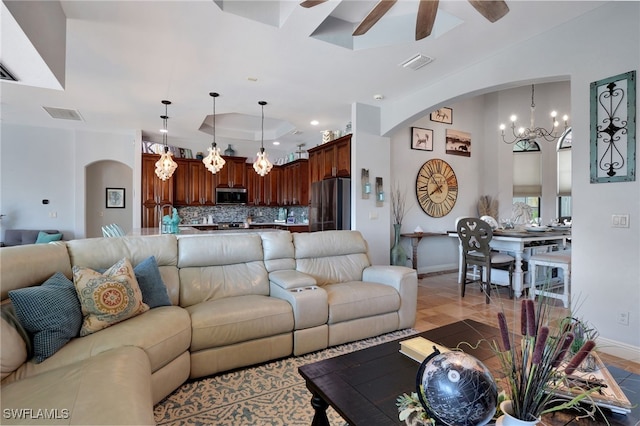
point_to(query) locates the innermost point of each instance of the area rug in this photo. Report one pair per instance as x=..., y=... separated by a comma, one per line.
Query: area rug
x=266, y=395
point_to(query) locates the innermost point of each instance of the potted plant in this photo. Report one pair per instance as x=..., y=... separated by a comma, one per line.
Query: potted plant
x=536, y=364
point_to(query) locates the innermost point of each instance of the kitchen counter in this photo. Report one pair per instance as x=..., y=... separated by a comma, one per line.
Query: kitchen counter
x=204, y=229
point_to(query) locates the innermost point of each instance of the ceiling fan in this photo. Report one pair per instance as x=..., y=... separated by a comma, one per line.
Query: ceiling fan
x=427, y=10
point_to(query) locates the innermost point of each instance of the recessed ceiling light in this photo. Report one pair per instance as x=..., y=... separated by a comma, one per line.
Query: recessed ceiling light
x=276, y=143
x=314, y=122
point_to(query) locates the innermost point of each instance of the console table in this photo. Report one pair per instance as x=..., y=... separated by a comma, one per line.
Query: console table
x=416, y=237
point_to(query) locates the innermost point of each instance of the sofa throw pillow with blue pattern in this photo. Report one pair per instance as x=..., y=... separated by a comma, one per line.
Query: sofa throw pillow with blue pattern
x=108, y=298
x=50, y=312
x=154, y=291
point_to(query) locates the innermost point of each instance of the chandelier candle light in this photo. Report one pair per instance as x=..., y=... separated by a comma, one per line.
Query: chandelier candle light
x=165, y=166
x=262, y=165
x=532, y=133
x=214, y=161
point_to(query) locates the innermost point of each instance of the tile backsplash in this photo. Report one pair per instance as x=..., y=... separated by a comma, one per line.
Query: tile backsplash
x=230, y=213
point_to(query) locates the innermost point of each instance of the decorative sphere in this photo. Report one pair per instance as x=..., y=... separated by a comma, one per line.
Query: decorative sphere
x=457, y=389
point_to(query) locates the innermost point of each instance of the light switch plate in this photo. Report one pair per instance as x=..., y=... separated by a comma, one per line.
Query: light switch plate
x=620, y=221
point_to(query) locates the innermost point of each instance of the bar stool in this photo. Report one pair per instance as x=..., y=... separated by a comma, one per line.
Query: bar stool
x=555, y=259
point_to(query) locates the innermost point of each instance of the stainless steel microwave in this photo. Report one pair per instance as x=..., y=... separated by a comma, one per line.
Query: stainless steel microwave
x=231, y=196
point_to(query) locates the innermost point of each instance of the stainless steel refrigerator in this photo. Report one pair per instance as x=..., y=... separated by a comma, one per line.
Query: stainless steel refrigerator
x=330, y=205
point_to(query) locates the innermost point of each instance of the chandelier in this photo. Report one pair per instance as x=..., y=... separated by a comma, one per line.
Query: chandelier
x=165, y=166
x=532, y=133
x=214, y=161
x=262, y=165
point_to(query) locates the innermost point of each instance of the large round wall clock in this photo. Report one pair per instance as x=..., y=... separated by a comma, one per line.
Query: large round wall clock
x=436, y=187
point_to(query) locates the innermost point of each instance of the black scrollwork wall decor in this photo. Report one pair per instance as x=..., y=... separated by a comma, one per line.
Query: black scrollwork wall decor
x=613, y=129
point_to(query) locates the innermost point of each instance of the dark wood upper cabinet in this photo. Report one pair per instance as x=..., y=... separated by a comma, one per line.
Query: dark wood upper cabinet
x=233, y=174
x=330, y=160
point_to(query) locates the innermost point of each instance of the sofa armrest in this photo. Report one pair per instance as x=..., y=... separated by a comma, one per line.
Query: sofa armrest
x=289, y=279
x=405, y=281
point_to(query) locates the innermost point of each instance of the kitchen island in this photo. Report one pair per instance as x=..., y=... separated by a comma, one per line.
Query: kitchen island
x=204, y=229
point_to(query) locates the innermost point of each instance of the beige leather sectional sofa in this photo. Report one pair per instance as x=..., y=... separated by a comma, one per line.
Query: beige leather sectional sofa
x=237, y=300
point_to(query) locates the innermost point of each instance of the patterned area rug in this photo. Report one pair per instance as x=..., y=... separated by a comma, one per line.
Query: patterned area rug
x=269, y=394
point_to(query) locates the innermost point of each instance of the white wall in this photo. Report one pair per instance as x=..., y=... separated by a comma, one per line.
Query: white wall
x=37, y=164
x=45, y=163
x=600, y=44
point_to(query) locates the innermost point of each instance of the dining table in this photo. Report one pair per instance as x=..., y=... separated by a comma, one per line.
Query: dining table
x=521, y=244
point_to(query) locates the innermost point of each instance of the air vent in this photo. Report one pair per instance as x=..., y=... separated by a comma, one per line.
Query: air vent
x=63, y=114
x=6, y=75
x=416, y=62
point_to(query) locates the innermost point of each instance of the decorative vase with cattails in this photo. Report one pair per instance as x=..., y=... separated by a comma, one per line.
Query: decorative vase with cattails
x=537, y=363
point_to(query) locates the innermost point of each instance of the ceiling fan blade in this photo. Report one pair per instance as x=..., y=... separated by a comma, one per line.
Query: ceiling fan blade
x=311, y=3
x=374, y=16
x=426, y=17
x=490, y=9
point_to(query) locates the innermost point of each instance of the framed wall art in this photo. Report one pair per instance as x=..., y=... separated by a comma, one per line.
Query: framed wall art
x=458, y=143
x=442, y=115
x=421, y=139
x=115, y=198
x=613, y=129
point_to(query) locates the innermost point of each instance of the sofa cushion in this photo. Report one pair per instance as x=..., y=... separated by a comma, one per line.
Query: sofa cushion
x=44, y=238
x=163, y=333
x=50, y=312
x=236, y=319
x=14, y=348
x=357, y=299
x=112, y=388
x=107, y=298
x=154, y=292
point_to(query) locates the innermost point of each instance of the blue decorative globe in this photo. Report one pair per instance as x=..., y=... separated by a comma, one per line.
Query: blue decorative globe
x=457, y=389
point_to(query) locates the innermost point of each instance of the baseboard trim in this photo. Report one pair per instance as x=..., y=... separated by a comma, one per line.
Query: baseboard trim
x=619, y=349
x=440, y=269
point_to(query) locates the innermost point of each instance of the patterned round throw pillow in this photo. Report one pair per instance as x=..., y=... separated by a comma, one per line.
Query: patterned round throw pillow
x=107, y=298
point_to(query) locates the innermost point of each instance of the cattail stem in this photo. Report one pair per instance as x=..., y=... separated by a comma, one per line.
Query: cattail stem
x=523, y=317
x=531, y=318
x=541, y=341
x=504, y=331
x=566, y=343
x=580, y=356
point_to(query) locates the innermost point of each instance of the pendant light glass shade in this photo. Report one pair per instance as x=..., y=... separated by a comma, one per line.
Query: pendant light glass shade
x=165, y=166
x=262, y=165
x=214, y=161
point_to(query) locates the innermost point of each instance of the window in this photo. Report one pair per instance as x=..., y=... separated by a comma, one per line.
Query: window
x=564, y=207
x=533, y=202
x=527, y=175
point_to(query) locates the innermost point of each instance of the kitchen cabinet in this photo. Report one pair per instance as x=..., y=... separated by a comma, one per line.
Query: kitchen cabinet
x=329, y=160
x=255, y=186
x=264, y=191
x=193, y=184
x=202, y=185
x=154, y=192
x=295, y=183
x=234, y=173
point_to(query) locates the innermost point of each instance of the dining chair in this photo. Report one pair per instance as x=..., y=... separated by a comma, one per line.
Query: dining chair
x=475, y=236
x=112, y=230
x=556, y=259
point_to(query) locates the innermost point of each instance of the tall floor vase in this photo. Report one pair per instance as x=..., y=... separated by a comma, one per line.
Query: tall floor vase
x=398, y=255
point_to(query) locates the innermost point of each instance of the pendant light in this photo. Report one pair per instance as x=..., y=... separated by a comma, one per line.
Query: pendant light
x=214, y=161
x=165, y=166
x=262, y=165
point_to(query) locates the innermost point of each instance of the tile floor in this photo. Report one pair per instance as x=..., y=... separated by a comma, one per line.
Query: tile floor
x=439, y=303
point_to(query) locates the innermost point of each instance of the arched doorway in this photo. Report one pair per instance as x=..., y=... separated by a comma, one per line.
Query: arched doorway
x=99, y=177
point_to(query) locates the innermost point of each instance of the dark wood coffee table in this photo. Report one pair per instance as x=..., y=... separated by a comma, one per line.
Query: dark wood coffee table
x=363, y=386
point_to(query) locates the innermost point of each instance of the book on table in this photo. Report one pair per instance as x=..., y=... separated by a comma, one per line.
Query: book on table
x=419, y=348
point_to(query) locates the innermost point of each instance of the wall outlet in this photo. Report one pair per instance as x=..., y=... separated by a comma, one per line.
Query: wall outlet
x=623, y=318
x=373, y=215
x=53, y=214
